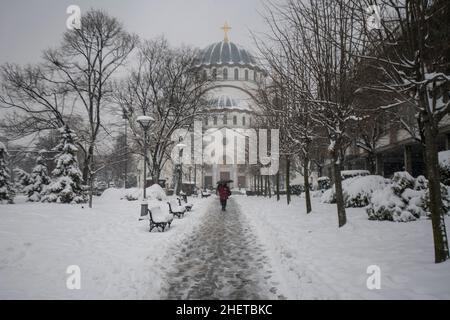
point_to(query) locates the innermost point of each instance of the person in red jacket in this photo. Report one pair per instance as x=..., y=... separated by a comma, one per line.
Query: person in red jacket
x=224, y=192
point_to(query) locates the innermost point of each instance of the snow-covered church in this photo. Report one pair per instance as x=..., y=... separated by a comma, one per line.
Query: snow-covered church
x=234, y=74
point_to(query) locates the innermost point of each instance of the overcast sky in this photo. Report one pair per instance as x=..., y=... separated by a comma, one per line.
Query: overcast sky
x=29, y=26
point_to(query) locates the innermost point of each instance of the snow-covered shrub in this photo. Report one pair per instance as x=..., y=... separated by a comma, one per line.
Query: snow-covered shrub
x=357, y=191
x=67, y=185
x=22, y=178
x=404, y=200
x=6, y=189
x=444, y=166
x=445, y=195
x=324, y=183
x=40, y=179
x=329, y=196
x=132, y=194
x=347, y=174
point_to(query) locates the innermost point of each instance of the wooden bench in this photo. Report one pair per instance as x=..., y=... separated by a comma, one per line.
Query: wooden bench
x=158, y=219
x=175, y=209
x=187, y=205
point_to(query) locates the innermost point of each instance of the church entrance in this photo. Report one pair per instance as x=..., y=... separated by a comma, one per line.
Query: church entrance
x=224, y=175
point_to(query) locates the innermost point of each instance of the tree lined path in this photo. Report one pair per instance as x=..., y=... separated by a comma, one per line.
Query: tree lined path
x=221, y=260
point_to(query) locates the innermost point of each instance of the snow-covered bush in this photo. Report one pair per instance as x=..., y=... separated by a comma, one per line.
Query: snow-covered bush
x=404, y=200
x=444, y=166
x=67, y=185
x=357, y=191
x=22, y=178
x=6, y=189
x=347, y=174
x=40, y=179
x=324, y=183
x=329, y=196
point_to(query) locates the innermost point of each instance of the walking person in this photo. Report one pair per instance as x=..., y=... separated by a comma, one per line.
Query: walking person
x=224, y=192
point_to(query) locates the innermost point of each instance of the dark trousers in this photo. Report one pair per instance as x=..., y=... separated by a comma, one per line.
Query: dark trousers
x=223, y=202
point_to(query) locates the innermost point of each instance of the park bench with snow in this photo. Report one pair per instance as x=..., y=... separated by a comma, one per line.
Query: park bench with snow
x=158, y=219
x=176, y=209
x=186, y=204
x=205, y=193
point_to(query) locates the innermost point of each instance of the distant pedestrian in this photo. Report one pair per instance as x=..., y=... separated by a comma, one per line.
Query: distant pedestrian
x=224, y=192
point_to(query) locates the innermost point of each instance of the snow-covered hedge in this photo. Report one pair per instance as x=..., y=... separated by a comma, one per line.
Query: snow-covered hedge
x=405, y=199
x=357, y=191
x=444, y=166
x=154, y=192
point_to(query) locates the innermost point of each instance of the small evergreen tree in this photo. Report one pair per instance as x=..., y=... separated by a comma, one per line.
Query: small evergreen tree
x=6, y=189
x=40, y=179
x=23, y=179
x=67, y=184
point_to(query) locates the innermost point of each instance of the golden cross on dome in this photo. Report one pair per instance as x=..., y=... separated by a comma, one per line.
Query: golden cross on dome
x=225, y=29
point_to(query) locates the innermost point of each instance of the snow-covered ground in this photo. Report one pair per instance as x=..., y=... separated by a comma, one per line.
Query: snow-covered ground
x=320, y=261
x=119, y=259
x=117, y=255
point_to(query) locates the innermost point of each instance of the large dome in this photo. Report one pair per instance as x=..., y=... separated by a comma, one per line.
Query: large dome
x=226, y=53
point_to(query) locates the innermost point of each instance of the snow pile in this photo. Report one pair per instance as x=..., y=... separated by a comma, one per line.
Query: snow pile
x=403, y=200
x=156, y=192
x=444, y=166
x=357, y=191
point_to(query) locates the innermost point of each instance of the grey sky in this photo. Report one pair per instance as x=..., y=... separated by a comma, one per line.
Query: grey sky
x=28, y=27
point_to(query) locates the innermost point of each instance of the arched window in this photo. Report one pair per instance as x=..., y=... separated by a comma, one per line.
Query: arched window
x=205, y=75
x=215, y=120
x=235, y=120
x=246, y=75
x=225, y=120
x=214, y=74
x=225, y=74
x=236, y=74
x=243, y=120
x=254, y=76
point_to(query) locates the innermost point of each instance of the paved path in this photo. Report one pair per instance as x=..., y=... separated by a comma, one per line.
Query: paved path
x=221, y=260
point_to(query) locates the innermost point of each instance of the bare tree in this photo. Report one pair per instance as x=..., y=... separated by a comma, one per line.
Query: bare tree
x=166, y=86
x=85, y=62
x=411, y=49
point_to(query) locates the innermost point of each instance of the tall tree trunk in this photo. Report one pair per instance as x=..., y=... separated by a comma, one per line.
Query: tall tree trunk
x=441, y=252
x=342, y=218
x=278, y=185
x=265, y=186
x=288, y=187
x=306, y=184
x=90, y=173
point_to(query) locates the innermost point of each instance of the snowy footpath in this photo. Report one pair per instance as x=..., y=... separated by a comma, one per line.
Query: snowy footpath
x=117, y=256
x=222, y=260
x=320, y=261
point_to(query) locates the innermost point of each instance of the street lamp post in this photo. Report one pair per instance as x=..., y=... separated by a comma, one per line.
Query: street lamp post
x=145, y=122
x=180, y=147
